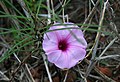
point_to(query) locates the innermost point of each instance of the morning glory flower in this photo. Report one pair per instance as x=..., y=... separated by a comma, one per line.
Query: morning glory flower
x=64, y=47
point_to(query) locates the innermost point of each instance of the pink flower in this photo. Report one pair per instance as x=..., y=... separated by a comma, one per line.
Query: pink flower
x=64, y=47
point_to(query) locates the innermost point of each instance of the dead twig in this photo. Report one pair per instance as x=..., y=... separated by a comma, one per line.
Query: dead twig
x=92, y=62
x=100, y=73
x=65, y=76
x=16, y=70
x=31, y=79
x=47, y=69
x=22, y=4
x=90, y=14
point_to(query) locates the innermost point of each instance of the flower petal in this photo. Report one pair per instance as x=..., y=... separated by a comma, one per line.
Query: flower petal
x=51, y=36
x=49, y=45
x=53, y=56
x=75, y=29
x=62, y=61
x=70, y=58
x=76, y=36
x=60, y=31
x=75, y=55
x=75, y=41
x=64, y=33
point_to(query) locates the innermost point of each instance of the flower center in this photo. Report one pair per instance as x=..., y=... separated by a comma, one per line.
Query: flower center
x=63, y=45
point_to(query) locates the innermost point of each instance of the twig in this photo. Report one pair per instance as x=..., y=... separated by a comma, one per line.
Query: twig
x=67, y=17
x=65, y=76
x=49, y=14
x=30, y=75
x=83, y=78
x=90, y=14
x=108, y=46
x=100, y=73
x=90, y=75
x=3, y=76
x=92, y=63
x=93, y=2
x=22, y=63
x=104, y=76
x=86, y=9
x=46, y=15
x=46, y=66
x=22, y=4
x=8, y=46
x=16, y=23
x=104, y=57
x=63, y=11
x=53, y=11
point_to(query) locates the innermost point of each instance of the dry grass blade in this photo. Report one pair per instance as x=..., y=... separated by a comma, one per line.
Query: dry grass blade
x=65, y=76
x=3, y=76
x=109, y=56
x=49, y=14
x=30, y=77
x=17, y=69
x=22, y=4
x=92, y=63
x=100, y=73
x=47, y=69
x=108, y=46
x=91, y=14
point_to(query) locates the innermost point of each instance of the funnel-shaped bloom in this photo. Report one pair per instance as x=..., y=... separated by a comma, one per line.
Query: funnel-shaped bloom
x=64, y=47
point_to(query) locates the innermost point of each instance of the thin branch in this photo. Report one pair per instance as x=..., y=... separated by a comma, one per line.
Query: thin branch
x=92, y=63
x=8, y=46
x=63, y=11
x=49, y=14
x=100, y=73
x=16, y=70
x=53, y=11
x=90, y=14
x=65, y=76
x=108, y=46
x=22, y=4
x=47, y=69
x=30, y=75
x=3, y=76
x=109, y=56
